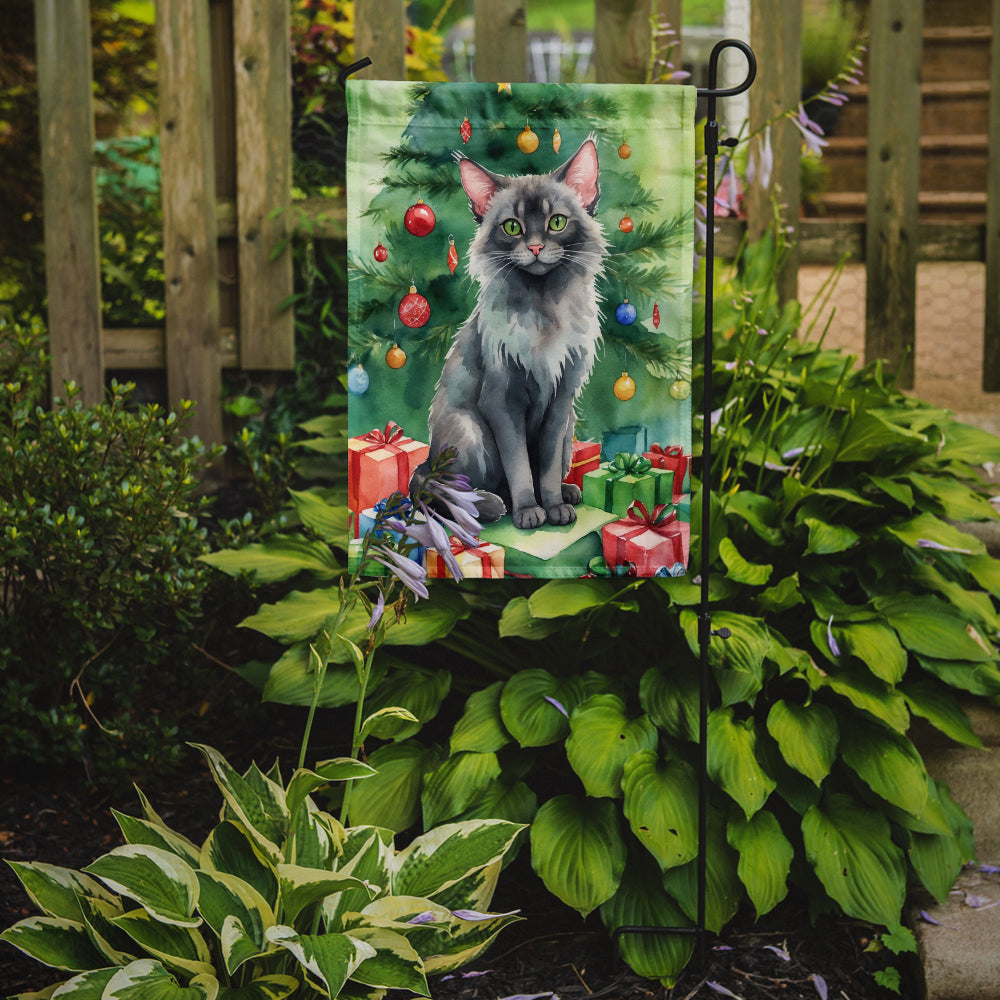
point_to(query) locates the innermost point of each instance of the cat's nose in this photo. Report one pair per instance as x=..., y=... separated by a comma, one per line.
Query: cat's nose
x=536, y=248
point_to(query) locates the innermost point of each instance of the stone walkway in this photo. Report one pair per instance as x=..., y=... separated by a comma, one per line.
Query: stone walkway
x=949, y=351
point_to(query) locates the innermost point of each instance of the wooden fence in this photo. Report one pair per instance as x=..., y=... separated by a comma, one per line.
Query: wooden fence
x=226, y=162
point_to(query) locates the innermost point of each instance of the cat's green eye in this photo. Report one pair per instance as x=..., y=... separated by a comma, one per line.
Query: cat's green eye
x=557, y=223
x=512, y=227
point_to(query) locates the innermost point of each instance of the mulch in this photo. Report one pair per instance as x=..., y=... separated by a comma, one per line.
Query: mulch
x=551, y=952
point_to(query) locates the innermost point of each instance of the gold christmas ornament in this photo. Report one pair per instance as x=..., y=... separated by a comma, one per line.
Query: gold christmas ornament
x=624, y=386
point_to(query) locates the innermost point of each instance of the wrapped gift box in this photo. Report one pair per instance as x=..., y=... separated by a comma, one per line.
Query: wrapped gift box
x=381, y=463
x=586, y=458
x=371, y=567
x=672, y=458
x=365, y=521
x=480, y=562
x=630, y=439
x=614, y=485
x=651, y=544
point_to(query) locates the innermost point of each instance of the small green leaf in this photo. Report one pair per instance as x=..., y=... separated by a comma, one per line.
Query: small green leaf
x=578, y=851
x=807, y=736
x=147, y=979
x=732, y=760
x=888, y=763
x=738, y=569
x=418, y=690
x=54, y=941
x=560, y=598
x=330, y=958
x=828, y=539
x=765, y=858
x=383, y=723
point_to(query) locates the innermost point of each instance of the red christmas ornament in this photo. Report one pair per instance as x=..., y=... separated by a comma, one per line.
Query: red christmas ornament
x=419, y=219
x=452, y=255
x=656, y=316
x=414, y=309
x=380, y=253
x=466, y=129
x=626, y=224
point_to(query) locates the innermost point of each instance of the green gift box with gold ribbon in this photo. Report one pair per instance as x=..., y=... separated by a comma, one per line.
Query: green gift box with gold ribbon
x=616, y=484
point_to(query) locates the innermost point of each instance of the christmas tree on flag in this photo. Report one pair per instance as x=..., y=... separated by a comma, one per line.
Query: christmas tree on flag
x=409, y=284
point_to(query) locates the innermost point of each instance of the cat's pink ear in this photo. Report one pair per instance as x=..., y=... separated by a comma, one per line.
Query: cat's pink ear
x=581, y=174
x=480, y=185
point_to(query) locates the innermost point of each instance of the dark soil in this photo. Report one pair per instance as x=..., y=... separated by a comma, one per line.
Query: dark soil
x=551, y=952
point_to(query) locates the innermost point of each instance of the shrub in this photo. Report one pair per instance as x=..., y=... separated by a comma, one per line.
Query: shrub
x=280, y=899
x=99, y=539
x=854, y=602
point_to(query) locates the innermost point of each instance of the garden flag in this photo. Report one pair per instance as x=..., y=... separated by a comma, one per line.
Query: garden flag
x=520, y=280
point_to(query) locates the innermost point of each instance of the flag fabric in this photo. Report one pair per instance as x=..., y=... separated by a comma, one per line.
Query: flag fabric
x=520, y=277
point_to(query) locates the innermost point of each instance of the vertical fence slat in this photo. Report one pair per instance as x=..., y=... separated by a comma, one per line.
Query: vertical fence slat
x=892, y=214
x=776, y=34
x=72, y=257
x=190, y=253
x=991, y=332
x=622, y=37
x=501, y=38
x=380, y=34
x=262, y=64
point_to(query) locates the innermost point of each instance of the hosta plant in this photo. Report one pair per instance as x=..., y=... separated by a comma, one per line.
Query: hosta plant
x=279, y=900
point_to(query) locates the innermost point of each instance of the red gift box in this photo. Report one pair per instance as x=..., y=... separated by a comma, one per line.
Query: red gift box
x=654, y=543
x=674, y=459
x=586, y=458
x=483, y=561
x=380, y=463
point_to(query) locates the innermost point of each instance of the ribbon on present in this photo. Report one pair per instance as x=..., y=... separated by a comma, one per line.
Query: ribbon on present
x=623, y=465
x=396, y=505
x=384, y=438
x=479, y=549
x=662, y=521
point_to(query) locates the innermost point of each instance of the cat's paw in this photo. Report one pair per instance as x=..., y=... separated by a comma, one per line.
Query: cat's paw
x=562, y=513
x=529, y=517
x=571, y=493
x=489, y=507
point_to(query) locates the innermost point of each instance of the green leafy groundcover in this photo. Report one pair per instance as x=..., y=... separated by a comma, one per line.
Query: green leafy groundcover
x=854, y=602
x=279, y=900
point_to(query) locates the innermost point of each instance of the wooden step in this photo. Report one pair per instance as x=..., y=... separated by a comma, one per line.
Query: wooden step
x=945, y=12
x=944, y=104
x=946, y=162
x=957, y=206
x=956, y=53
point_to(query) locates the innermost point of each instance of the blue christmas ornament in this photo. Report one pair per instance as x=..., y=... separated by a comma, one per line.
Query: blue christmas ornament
x=625, y=313
x=357, y=380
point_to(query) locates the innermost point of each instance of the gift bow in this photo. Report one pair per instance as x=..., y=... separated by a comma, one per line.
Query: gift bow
x=663, y=517
x=391, y=433
x=635, y=465
x=672, y=451
x=400, y=506
x=458, y=546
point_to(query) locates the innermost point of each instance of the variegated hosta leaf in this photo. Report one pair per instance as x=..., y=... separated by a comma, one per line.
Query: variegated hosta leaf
x=54, y=941
x=441, y=857
x=56, y=891
x=417, y=690
x=141, y=831
x=476, y=890
x=147, y=979
x=116, y=946
x=661, y=799
x=315, y=838
x=602, y=737
x=329, y=959
x=274, y=987
x=807, y=736
x=256, y=801
x=642, y=902
x=177, y=947
x=468, y=939
x=300, y=887
x=395, y=964
x=481, y=727
x=535, y=706
x=723, y=889
x=230, y=849
x=888, y=763
x=732, y=760
x=391, y=799
x=86, y=986
x=367, y=853
x=225, y=897
x=158, y=880
x=765, y=858
x=516, y=803
x=850, y=847
x=304, y=782
x=578, y=851
x=456, y=784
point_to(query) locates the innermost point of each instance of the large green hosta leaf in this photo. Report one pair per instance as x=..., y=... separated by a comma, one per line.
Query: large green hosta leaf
x=602, y=738
x=86, y=986
x=535, y=706
x=876, y=646
x=301, y=887
x=765, y=858
x=732, y=760
x=739, y=569
x=578, y=851
x=456, y=784
x=864, y=691
x=276, y=987
x=738, y=661
x=279, y=558
x=391, y=798
x=932, y=628
x=179, y=948
x=927, y=528
x=229, y=848
x=671, y=699
x=661, y=805
x=481, y=727
x=147, y=979
x=850, y=848
x=641, y=901
x=888, y=763
x=330, y=959
x=418, y=690
x=559, y=598
x=807, y=736
x=144, y=831
x=936, y=704
x=395, y=964
x=226, y=897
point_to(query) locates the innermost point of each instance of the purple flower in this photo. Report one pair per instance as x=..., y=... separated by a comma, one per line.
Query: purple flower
x=430, y=533
x=831, y=642
x=719, y=988
x=409, y=573
x=377, y=611
x=760, y=165
x=427, y=917
x=811, y=132
x=552, y=701
x=780, y=952
x=820, y=983
x=927, y=543
x=475, y=915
